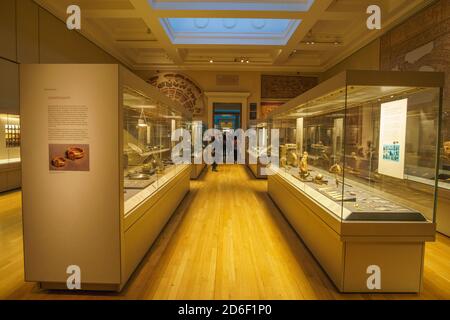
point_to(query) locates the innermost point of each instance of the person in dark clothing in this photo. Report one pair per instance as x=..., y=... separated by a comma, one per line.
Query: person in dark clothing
x=224, y=147
x=213, y=154
x=235, y=146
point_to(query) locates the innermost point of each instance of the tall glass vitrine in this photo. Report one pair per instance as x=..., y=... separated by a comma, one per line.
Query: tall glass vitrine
x=358, y=173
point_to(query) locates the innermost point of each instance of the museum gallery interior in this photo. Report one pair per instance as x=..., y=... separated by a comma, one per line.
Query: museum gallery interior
x=334, y=119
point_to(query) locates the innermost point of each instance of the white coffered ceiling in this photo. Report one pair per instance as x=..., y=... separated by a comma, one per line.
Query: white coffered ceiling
x=144, y=35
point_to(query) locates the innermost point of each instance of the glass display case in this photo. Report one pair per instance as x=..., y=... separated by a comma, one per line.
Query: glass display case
x=444, y=174
x=255, y=151
x=197, y=129
x=147, y=146
x=443, y=209
x=365, y=152
x=357, y=174
x=9, y=138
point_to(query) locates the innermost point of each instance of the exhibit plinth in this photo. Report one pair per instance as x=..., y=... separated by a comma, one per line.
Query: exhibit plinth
x=347, y=249
x=99, y=184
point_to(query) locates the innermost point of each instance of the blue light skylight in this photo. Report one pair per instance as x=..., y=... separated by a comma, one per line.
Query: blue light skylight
x=267, y=5
x=230, y=31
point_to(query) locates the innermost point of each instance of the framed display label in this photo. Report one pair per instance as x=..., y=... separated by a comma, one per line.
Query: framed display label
x=391, y=161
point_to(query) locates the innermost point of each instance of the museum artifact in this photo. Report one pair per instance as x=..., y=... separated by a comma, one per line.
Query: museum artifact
x=447, y=149
x=319, y=179
x=59, y=162
x=337, y=170
x=74, y=153
x=303, y=167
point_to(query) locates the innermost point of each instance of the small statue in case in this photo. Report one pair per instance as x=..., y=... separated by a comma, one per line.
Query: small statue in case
x=337, y=170
x=303, y=167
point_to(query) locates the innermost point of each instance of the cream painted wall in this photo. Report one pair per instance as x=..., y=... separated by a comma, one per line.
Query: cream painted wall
x=9, y=87
x=8, y=29
x=367, y=58
x=249, y=82
x=29, y=34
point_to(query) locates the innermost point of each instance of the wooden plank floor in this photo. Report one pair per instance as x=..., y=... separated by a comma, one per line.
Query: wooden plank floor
x=227, y=240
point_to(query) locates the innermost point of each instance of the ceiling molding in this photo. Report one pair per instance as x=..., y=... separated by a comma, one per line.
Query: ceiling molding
x=130, y=30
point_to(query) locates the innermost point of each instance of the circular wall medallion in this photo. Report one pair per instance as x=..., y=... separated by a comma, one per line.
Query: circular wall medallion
x=258, y=23
x=201, y=23
x=229, y=23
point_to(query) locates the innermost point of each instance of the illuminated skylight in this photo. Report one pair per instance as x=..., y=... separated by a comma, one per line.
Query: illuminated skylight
x=230, y=31
x=249, y=5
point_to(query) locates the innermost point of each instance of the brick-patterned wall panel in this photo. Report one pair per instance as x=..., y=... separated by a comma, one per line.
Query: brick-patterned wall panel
x=285, y=87
x=422, y=43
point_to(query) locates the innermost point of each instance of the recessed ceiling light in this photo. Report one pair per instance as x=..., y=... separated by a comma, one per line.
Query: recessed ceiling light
x=211, y=61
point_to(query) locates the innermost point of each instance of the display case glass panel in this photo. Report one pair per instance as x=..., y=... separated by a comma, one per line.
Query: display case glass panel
x=365, y=153
x=197, y=129
x=444, y=174
x=9, y=138
x=147, y=146
x=262, y=140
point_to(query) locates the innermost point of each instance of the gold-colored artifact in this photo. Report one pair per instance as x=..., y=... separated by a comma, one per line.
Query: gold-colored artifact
x=58, y=162
x=303, y=166
x=447, y=149
x=292, y=158
x=319, y=179
x=337, y=170
x=74, y=153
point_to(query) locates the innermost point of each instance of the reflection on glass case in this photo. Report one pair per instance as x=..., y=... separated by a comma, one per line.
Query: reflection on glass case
x=147, y=146
x=259, y=150
x=197, y=129
x=9, y=138
x=365, y=152
x=262, y=137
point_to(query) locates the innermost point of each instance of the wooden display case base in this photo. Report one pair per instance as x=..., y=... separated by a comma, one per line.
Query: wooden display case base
x=256, y=170
x=443, y=212
x=10, y=176
x=197, y=170
x=84, y=287
x=146, y=222
x=142, y=227
x=347, y=250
